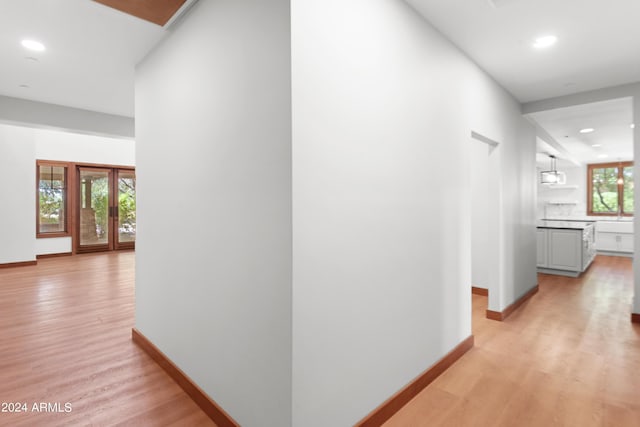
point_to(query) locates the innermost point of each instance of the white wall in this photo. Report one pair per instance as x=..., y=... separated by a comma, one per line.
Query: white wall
x=17, y=194
x=518, y=210
x=636, y=220
x=480, y=213
x=79, y=148
x=53, y=245
x=213, y=250
x=383, y=108
x=22, y=112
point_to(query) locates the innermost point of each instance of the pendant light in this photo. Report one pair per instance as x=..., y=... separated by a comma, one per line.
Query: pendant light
x=620, y=180
x=550, y=176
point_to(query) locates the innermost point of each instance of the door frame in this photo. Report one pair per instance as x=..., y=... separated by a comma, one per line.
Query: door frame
x=118, y=245
x=112, y=244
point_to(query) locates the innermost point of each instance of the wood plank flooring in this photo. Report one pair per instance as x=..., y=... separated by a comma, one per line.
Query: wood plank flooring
x=65, y=337
x=568, y=357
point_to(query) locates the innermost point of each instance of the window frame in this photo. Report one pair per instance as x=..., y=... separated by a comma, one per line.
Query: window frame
x=620, y=187
x=67, y=202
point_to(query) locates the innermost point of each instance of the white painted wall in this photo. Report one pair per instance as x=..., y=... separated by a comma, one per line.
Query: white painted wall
x=22, y=112
x=519, y=214
x=53, y=245
x=636, y=220
x=17, y=197
x=79, y=148
x=213, y=250
x=480, y=213
x=383, y=107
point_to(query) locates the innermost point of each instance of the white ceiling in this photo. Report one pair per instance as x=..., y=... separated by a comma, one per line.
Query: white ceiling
x=598, y=41
x=598, y=46
x=90, y=56
x=612, y=133
x=92, y=49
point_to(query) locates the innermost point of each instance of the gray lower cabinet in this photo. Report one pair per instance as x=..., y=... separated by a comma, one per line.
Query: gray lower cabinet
x=541, y=247
x=615, y=242
x=615, y=237
x=565, y=251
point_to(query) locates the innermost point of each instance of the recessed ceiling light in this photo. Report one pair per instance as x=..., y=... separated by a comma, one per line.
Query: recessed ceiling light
x=596, y=145
x=587, y=130
x=603, y=156
x=546, y=41
x=632, y=125
x=33, y=45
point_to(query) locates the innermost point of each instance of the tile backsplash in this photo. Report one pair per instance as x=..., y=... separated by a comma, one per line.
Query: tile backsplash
x=562, y=210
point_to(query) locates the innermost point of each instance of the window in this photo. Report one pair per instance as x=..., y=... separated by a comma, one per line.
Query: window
x=51, y=200
x=610, y=189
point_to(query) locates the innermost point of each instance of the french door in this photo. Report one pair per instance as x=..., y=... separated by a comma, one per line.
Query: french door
x=106, y=209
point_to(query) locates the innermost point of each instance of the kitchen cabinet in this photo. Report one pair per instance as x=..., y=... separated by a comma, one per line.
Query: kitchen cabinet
x=564, y=247
x=625, y=243
x=614, y=237
x=541, y=247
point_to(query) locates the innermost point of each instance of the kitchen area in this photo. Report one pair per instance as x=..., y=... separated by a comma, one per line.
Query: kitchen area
x=585, y=185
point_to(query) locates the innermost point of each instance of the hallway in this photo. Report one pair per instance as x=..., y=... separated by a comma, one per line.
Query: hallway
x=568, y=357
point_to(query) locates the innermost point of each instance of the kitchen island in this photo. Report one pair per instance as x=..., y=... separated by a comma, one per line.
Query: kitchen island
x=565, y=248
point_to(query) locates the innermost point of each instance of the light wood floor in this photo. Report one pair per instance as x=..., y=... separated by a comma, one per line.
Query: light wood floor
x=65, y=336
x=569, y=357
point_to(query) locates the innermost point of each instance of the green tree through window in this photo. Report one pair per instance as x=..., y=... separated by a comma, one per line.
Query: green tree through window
x=52, y=196
x=610, y=189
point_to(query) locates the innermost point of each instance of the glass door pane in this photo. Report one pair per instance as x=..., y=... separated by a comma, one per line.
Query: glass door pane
x=95, y=208
x=126, y=219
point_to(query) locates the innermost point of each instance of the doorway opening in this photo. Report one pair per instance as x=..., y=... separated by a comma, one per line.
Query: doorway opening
x=485, y=216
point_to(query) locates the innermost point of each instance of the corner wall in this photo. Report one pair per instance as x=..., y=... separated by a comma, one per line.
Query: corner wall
x=383, y=108
x=636, y=218
x=17, y=192
x=213, y=249
x=372, y=190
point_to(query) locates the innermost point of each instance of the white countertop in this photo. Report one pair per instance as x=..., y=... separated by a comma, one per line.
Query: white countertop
x=590, y=218
x=564, y=224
